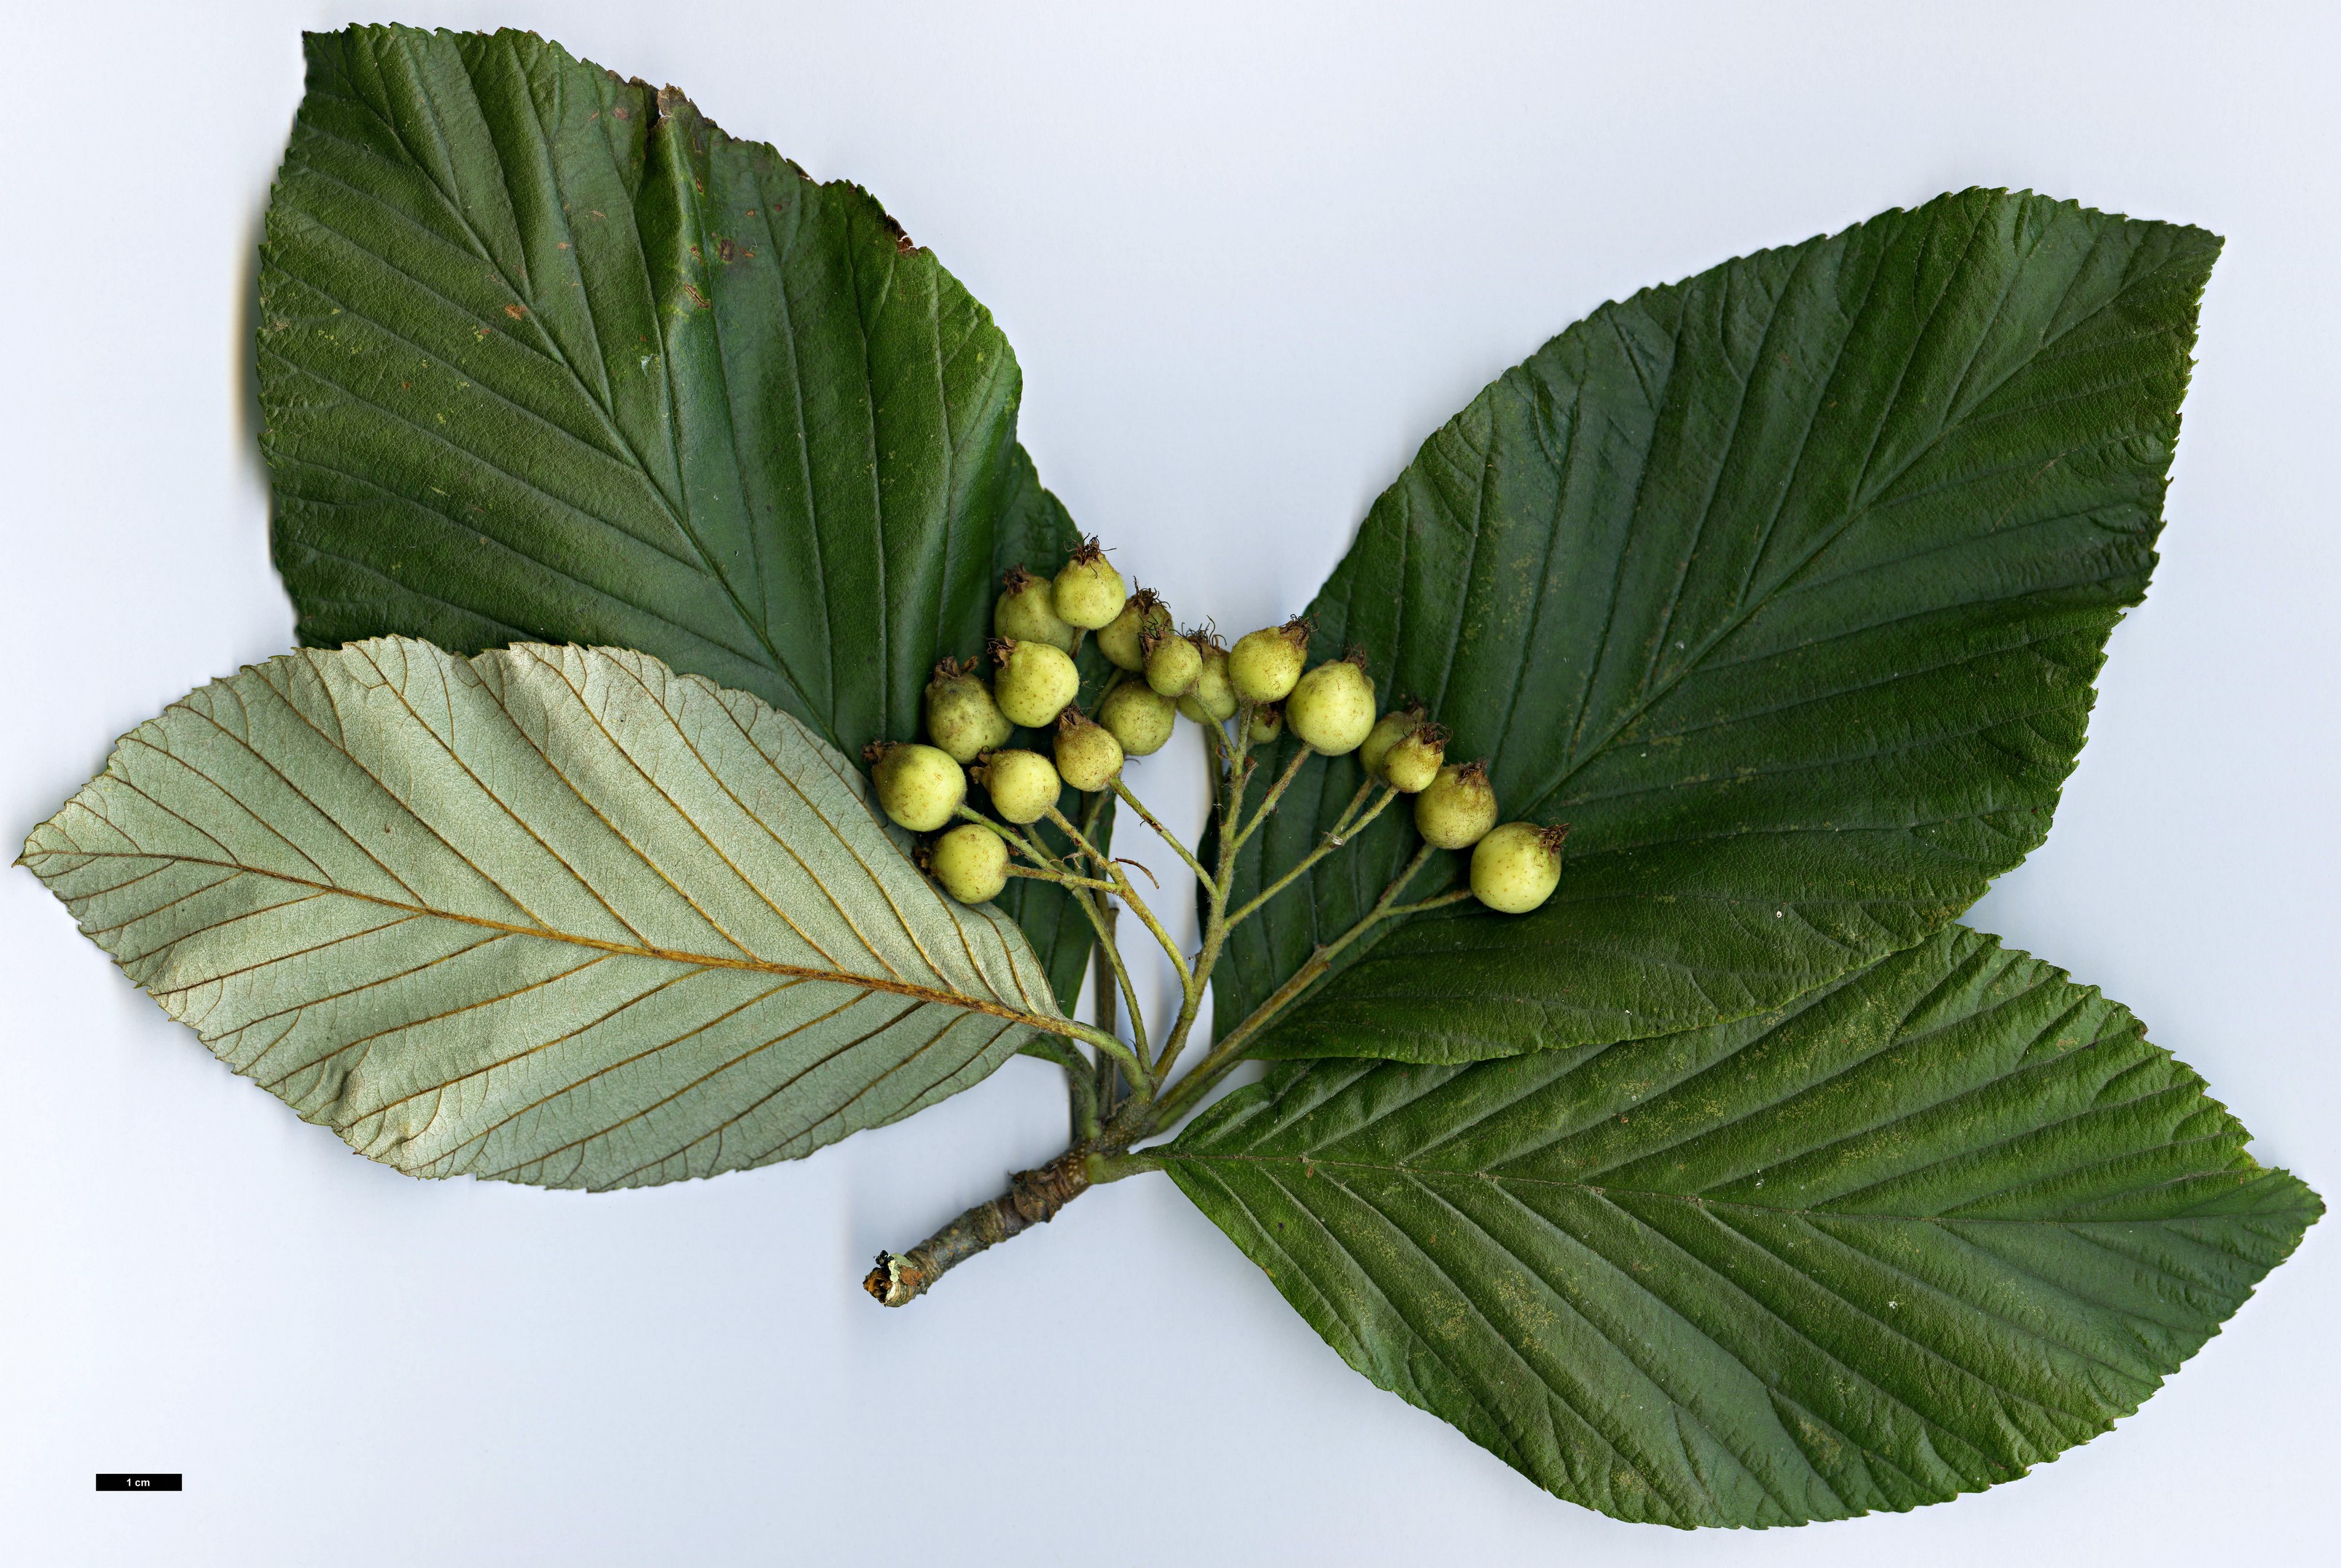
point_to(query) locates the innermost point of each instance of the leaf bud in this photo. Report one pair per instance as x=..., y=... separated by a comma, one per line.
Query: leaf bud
x=1022, y=785
x=918, y=786
x=1173, y=664
x=1210, y=700
x=1332, y=710
x=1459, y=807
x=1122, y=640
x=961, y=717
x=1088, y=756
x=1265, y=665
x=971, y=861
x=1414, y=762
x=1089, y=591
x=1139, y=716
x=1026, y=613
x=1034, y=683
x=1516, y=867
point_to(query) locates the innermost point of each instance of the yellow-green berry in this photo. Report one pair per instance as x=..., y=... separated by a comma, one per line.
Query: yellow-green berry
x=1265, y=665
x=1088, y=756
x=1458, y=809
x=1026, y=613
x=971, y=861
x=1022, y=785
x=1410, y=765
x=1332, y=709
x=1122, y=640
x=1173, y=664
x=918, y=786
x=1034, y=682
x=1139, y=716
x=961, y=717
x=1266, y=723
x=1388, y=730
x=1088, y=591
x=1210, y=700
x=1516, y=867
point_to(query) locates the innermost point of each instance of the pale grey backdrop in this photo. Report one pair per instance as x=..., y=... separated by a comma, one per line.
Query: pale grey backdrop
x=1250, y=255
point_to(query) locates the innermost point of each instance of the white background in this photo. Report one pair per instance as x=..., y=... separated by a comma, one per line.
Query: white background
x=1248, y=255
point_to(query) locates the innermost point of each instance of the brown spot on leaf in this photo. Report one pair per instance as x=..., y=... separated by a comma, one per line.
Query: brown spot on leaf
x=725, y=250
x=516, y=311
x=697, y=298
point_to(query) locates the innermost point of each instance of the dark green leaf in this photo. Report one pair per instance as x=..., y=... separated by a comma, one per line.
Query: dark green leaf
x=1786, y=586
x=1918, y=1231
x=545, y=355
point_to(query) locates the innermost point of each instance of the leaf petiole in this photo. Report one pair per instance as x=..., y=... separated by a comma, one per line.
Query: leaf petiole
x=1074, y=1029
x=1080, y=1081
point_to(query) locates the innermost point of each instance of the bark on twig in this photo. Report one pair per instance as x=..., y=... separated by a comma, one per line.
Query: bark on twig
x=1032, y=1198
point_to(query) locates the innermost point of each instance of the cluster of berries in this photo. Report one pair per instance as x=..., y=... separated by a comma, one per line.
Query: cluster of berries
x=1038, y=625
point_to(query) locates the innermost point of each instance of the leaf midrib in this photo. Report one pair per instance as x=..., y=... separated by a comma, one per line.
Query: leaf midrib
x=666, y=954
x=1430, y=1174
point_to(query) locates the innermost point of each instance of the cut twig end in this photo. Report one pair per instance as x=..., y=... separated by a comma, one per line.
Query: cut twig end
x=895, y=1282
